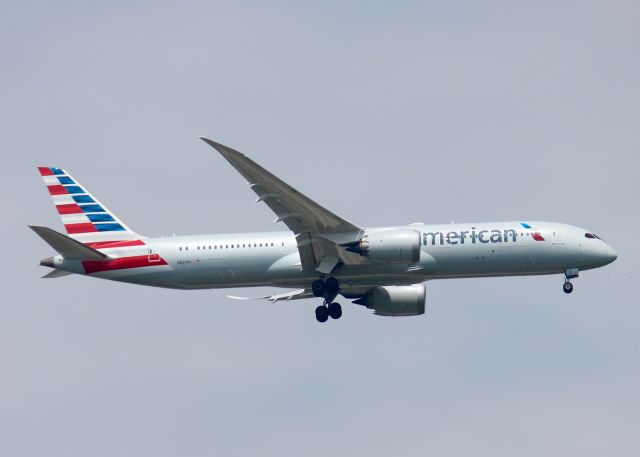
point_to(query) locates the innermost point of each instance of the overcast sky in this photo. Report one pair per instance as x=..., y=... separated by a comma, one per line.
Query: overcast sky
x=420, y=111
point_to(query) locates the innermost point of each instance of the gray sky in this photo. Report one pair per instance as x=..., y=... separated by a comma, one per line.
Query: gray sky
x=431, y=112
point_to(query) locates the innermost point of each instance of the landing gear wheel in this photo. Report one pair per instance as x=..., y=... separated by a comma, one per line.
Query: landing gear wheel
x=331, y=285
x=322, y=313
x=318, y=287
x=567, y=287
x=335, y=310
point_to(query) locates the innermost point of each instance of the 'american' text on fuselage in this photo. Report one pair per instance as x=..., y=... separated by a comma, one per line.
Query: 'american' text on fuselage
x=482, y=236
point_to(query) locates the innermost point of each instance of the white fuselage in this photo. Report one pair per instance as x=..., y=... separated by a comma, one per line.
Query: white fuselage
x=272, y=259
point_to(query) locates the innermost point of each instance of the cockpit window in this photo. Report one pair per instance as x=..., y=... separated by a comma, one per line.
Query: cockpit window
x=591, y=235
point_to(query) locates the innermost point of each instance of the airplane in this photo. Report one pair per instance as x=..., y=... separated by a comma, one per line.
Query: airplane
x=321, y=255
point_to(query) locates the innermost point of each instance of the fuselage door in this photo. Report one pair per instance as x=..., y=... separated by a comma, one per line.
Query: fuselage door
x=558, y=236
x=153, y=256
x=284, y=248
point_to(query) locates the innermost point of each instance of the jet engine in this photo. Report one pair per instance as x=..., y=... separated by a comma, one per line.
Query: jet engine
x=392, y=246
x=396, y=300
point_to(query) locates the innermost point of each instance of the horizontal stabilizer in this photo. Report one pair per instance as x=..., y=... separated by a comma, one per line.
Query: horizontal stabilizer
x=55, y=273
x=67, y=247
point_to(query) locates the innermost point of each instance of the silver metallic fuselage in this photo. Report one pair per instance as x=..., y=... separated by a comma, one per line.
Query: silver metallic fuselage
x=272, y=258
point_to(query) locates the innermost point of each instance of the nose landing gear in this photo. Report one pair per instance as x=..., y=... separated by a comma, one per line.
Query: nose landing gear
x=567, y=287
x=329, y=290
x=569, y=274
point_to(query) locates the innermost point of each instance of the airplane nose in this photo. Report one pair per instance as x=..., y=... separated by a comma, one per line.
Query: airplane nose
x=609, y=255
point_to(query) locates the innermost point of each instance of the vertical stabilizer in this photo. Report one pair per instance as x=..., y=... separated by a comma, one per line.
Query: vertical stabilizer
x=85, y=219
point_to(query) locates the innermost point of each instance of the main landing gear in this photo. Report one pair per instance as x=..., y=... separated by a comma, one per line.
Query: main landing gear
x=328, y=289
x=569, y=274
x=326, y=310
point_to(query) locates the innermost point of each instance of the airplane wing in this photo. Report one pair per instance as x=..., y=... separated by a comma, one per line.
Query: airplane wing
x=319, y=232
x=285, y=296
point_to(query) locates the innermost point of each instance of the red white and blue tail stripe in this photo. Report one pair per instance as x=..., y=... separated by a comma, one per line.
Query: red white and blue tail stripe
x=84, y=217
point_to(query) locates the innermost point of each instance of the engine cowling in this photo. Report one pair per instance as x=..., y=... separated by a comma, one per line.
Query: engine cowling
x=397, y=300
x=392, y=246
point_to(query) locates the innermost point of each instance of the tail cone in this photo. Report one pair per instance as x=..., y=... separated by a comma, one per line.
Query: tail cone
x=48, y=262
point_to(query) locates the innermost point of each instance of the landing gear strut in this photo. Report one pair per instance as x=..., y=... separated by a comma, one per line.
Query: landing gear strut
x=328, y=289
x=569, y=274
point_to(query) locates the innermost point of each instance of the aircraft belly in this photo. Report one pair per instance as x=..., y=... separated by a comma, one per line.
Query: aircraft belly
x=503, y=260
x=287, y=275
x=245, y=269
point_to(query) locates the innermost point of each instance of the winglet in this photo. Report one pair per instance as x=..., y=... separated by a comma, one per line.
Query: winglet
x=226, y=151
x=215, y=145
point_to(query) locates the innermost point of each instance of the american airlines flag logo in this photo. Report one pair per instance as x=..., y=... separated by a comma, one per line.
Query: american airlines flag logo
x=79, y=211
x=535, y=234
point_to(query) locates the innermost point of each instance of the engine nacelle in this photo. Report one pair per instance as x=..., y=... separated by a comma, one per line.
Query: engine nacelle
x=397, y=300
x=392, y=246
